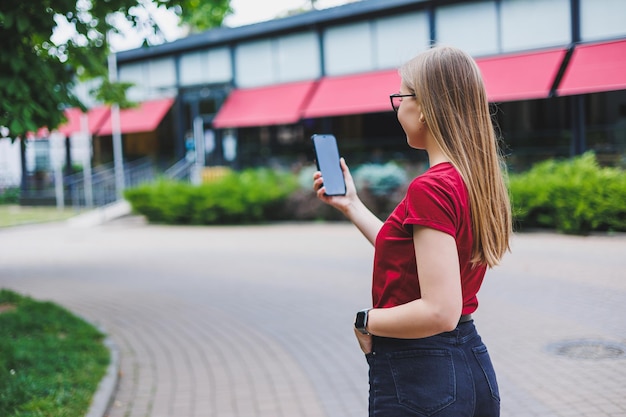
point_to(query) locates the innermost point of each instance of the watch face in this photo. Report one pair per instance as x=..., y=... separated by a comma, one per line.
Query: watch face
x=360, y=320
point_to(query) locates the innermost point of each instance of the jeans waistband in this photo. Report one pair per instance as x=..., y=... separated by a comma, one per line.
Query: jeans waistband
x=464, y=332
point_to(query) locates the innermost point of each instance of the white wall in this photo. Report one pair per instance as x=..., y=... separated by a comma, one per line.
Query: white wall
x=10, y=165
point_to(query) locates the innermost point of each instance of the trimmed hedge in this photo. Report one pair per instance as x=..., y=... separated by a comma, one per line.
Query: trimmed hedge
x=248, y=197
x=10, y=195
x=574, y=196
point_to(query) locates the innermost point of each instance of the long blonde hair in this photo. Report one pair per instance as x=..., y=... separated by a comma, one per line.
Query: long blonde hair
x=448, y=85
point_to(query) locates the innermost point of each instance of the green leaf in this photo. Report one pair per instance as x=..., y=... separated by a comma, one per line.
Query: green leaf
x=22, y=24
x=35, y=85
x=16, y=128
x=8, y=20
x=16, y=65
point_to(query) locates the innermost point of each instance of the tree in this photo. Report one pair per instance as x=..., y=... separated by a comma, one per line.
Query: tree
x=37, y=75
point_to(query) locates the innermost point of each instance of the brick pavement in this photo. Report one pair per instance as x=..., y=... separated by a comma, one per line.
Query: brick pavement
x=256, y=321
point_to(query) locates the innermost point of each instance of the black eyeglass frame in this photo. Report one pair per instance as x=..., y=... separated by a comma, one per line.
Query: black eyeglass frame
x=397, y=95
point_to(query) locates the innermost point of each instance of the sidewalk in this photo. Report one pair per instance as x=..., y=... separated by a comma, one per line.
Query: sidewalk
x=257, y=321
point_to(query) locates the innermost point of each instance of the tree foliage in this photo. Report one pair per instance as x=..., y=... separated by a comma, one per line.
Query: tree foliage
x=37, y=76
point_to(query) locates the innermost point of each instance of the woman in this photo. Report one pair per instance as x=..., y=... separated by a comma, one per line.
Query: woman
x=431, y=254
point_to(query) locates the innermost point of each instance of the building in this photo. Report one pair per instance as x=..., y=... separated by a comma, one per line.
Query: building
x=253, y=95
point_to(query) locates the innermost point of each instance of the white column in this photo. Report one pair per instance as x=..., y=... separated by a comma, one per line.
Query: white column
x=84, y=128
x=118, y=158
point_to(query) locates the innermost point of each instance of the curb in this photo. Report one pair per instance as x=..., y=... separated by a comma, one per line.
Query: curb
x=101, y=215
x=107, y=387
x=102, y=398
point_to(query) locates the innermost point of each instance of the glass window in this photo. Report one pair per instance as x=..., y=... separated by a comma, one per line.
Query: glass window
x=534, y=130
x=208, y=105
x=298, y=57
x=132, y=73
x=204, y=67
x=602, y=19
x=471, y=27
x=136, y=74
x=162, y=73
x=398, y=39
x=605, y=120
x=254, y=64
x=528, y=24
x=193, y=68
x=348, y=49
x=219, y=66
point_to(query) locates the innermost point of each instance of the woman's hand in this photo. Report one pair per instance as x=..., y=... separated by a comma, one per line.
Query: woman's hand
x=365, y=341
x=340, y=202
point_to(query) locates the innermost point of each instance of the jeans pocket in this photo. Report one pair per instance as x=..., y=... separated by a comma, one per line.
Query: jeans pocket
x=482, y=356
x=424, y=379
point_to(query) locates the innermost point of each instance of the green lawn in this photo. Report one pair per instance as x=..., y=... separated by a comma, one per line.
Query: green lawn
x=14, y=215
x=51, y=361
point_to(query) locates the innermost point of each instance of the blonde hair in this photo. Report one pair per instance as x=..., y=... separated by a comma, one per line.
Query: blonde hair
x=448, y=85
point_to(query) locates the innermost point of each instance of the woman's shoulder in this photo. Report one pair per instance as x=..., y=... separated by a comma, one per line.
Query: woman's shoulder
x=441, y=175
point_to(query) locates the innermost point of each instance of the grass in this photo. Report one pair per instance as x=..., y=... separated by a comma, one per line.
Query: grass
x=51, y=361
x=15, y=215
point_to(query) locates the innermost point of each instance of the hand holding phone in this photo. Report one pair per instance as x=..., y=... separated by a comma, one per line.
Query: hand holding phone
x=327, y=160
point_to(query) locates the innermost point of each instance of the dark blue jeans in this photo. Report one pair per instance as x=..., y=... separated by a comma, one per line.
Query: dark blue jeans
x=446, y=375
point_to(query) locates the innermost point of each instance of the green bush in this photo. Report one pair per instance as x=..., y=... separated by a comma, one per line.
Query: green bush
x=10, y=195
x=380, y=187
x=379, y=179
x=250, y=196
x=574, y=196
x=163, y=201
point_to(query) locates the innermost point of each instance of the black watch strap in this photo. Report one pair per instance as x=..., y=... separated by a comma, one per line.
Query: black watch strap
x=360, y=322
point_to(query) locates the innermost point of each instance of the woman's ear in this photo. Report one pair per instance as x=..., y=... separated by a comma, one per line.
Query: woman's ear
x=422, y=119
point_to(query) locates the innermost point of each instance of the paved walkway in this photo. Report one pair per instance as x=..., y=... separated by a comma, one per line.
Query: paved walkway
x=257, y=321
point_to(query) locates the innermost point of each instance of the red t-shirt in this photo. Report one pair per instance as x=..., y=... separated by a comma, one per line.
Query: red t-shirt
x=437, y=199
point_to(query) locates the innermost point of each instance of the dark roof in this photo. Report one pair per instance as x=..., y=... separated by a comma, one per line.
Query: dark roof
x=309, y=20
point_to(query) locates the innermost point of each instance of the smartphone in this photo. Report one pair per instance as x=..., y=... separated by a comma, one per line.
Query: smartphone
x=327, y=160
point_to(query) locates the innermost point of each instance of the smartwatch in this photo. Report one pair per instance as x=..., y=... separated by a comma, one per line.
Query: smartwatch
x=360, y=323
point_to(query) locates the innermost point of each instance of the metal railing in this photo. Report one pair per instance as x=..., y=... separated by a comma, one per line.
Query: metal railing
x=103, y=188
x=40, y=189
x=77, y=194
x=181, y=170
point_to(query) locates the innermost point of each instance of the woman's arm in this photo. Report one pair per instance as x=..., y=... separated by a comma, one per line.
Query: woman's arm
x=350, y=204
x=440, y=307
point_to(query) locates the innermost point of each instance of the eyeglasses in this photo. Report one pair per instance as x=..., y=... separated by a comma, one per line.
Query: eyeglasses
x=396, y=99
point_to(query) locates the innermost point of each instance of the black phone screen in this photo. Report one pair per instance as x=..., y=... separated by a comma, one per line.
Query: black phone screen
x=327, y=160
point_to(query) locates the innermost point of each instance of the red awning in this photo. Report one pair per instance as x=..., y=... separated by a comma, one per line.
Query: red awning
x=594, y=68
x=521, y=76
x=95, y=118
x=144, y=118
x=264, y=106
x=353, y=94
